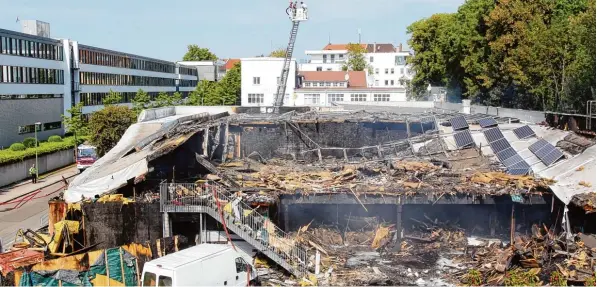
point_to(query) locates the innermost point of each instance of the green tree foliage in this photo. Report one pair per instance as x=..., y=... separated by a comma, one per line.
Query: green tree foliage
x=141, y=101
x=74, y=122
x=30, y=142
x=356, y=58
x=165, y=100
x=17, y=147
x=108, y=125
x=54, y=139
x=205, y=89
x=514, y=53
x=224, y=92
x=195, y=53
x=112, y=98
x=278, y=53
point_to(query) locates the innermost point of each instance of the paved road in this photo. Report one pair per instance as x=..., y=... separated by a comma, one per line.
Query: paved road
x=28, y=215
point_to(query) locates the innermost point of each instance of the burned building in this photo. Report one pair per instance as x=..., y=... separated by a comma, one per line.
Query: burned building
x=276, y=180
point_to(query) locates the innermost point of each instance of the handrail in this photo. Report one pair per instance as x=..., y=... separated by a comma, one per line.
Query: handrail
x=191, y=197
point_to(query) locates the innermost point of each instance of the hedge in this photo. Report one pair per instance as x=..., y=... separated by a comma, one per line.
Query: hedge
x=9, y=156
x=17, y=147
x=54, y=139
x=29, y=142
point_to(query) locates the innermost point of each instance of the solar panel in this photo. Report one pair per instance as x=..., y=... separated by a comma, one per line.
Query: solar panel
x=493, y=134
x=487, y=122
x=505, y=154
x=512, y=160
x=518, y=171
x=458, y=123
x=546, y=152
x=551, y=157
x=499, y=145
x=535, y=147
x=463, y=139
x=524, y=132
x=520, y=164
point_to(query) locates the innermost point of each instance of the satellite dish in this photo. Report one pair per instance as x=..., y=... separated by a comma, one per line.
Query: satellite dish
x=346, y=77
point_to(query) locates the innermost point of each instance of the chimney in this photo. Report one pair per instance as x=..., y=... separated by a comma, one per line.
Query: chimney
x=374, y=47
x=400, y=47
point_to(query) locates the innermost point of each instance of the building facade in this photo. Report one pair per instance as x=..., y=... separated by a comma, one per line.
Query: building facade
x=259, y=80
x=387, y=63
x=41, y=78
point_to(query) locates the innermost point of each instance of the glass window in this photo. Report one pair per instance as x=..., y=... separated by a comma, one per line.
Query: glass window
x=391, y=82
x=386, y=82
x=376, y=70
x=311, y=99
x=371, y=59
x=325, y=59
x=321, y=84
x=52, y=126
x=148, y=279
x=256, y=80
x=328, y=84
x=335, y=98
x=386, y=70
x=164, y=281
x=358, y=97
x=319, y=69
x=392, y=71
x=255, y=98
x=307, y=84
x=381, y=97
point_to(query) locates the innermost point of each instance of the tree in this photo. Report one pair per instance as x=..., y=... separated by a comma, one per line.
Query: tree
x=112, y=98
x=141, y=101
x=195, y=53
x=205, y=89
x=227, y=91
x=166, y=100
x=108, y=125
x=356, y=58
x=73, y=122
x=278, y=53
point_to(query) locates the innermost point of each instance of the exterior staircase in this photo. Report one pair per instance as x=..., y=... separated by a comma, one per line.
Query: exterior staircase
x=210, y=198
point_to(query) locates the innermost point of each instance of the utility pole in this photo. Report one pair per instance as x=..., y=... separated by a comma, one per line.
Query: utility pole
x=36, y=145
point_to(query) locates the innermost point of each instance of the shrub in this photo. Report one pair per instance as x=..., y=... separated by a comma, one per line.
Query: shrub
x=29, y=142
x=518, y=277
x=10, y=155
x=557, y=279
x=54, y=139
x=473, y=278
x=17, y=147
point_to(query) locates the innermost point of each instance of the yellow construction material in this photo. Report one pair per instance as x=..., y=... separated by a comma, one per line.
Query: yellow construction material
x=115, y=197
x=380, y=235
x=72, y=228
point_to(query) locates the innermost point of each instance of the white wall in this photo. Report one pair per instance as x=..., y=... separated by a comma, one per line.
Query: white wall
x=324, y=67
x=383, y=61
x=268, y=70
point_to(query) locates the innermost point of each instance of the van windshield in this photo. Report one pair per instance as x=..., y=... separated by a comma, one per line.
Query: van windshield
x=148, y=279
x=165, y=281
x=89, y=152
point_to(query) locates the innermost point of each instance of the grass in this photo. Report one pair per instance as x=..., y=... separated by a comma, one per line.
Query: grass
x=8, y=156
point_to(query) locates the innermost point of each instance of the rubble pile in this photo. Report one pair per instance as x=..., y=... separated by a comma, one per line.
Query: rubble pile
x=536, y=259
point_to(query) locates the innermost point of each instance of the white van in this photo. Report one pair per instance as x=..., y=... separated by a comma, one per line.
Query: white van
x=201, y=265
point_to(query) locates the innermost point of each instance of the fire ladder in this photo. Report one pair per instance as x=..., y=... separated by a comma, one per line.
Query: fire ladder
x=296, y=17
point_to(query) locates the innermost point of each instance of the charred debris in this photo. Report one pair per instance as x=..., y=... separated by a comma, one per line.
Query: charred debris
x=374, y=199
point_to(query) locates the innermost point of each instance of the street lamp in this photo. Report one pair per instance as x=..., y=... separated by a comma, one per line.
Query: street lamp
x=36, y=144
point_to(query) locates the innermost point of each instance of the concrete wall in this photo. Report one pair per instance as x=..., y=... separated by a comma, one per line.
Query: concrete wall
x=20, y=170
x=113, y=223
x=22, y=112
x=267, y=70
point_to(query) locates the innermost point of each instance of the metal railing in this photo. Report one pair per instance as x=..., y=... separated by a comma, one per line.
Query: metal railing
x=212, y=198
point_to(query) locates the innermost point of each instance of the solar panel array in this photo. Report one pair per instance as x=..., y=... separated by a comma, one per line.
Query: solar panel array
x=458, y=123
x=487, y=122
x=502, y=149
x=546, y=152
x=524, y=132
x=463, y=139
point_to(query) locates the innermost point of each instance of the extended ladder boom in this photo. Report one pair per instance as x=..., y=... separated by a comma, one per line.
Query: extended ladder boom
x=279, y=100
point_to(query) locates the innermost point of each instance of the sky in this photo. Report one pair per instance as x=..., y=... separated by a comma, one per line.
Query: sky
x=162, y=29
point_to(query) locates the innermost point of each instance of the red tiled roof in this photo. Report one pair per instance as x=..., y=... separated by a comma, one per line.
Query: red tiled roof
x=380, y=48
x=356, y=78
x=340, y=46
x=230, y=63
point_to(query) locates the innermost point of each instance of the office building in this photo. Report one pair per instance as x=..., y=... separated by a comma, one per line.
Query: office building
x=41, y=78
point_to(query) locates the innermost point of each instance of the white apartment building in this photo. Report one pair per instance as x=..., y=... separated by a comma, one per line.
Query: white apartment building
x=42, y=77
x=388, y=63
x=259, y=80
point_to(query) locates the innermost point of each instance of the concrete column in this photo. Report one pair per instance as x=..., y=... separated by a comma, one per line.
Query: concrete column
x=286, y=217
x=466, y=107
x=398, y=237
x=167, y=228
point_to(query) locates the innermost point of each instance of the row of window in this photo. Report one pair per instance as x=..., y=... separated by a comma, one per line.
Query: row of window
x=324, y=84
x=386, y=82
x=91, y=78
x=43, y=127
x=27, y=75
x=27, y=48
x=255, y=99
x=30, y=96
x=391, y=71
x=332, y=58
x=315, y=98
x=187, y=71
x=105, y=59
x=94, y=99
x=187, y=83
